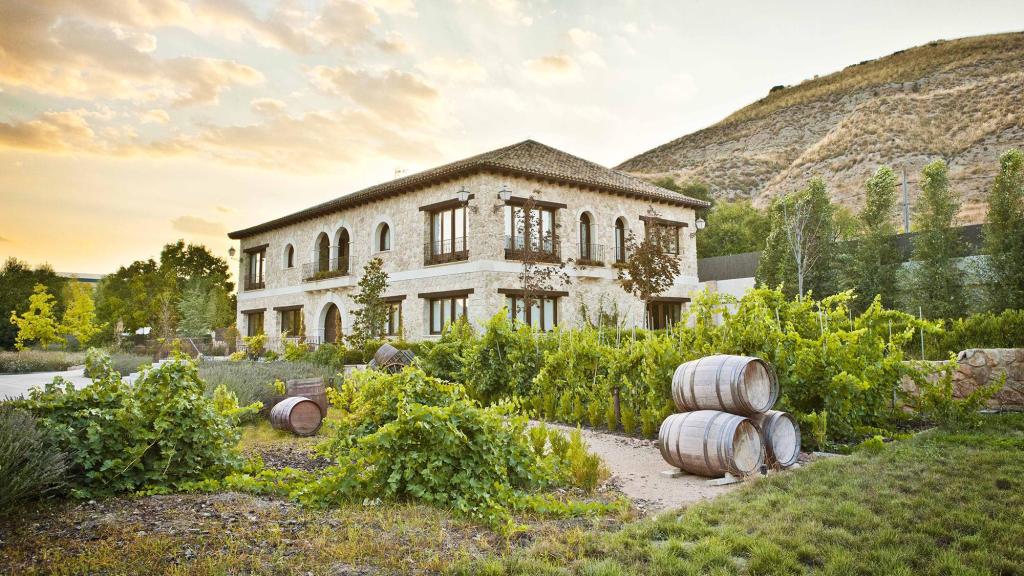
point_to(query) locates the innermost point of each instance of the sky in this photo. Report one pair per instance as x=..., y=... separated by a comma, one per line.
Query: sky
x=127, y=124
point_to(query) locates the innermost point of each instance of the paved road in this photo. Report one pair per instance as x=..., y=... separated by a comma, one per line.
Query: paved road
x=14, y=385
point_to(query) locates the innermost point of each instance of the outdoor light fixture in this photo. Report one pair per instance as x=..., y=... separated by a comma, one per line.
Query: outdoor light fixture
x=462, y=195
x=700, y=223
x=231, y=251
x=504, y=194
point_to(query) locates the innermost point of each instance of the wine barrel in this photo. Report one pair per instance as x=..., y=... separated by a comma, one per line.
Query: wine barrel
x=781, y=436
x=298, y=415
x=741, y=385
x=312, y=388
x=711, y=443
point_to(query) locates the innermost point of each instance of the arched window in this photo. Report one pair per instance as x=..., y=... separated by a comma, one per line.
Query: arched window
x=620, y=240
x=323, y=253
x=289, y=257
x=384, y=238
x=586, y=238
x=342, y=262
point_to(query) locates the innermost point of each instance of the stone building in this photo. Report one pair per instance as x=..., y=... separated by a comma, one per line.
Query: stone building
x=453, y=240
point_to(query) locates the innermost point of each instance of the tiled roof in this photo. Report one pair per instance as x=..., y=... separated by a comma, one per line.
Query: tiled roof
x=527, y=158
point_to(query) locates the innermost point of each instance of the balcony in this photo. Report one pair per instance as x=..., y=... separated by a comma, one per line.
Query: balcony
x=589, y=254
x=541, y=250
x=325, y=268
x=254, y=284
x=445, y=251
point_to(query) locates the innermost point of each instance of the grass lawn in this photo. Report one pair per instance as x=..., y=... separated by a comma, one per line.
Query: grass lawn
x=941, y=503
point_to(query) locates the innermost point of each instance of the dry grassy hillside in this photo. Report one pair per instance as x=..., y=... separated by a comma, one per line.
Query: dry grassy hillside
x=962, y=100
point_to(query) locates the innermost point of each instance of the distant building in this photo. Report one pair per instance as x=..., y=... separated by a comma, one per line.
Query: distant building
x=84, y=277
x=450, y=242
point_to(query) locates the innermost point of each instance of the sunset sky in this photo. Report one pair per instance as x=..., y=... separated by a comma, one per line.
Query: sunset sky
x=127, y=124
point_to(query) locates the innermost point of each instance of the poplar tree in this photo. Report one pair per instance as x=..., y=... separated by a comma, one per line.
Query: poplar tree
x=1004, y=234
x=936, y=283
x=874, y=261
x=372, y=315
x=79, y=320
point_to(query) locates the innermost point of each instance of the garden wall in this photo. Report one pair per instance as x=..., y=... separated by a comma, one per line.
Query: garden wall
x=978, y=367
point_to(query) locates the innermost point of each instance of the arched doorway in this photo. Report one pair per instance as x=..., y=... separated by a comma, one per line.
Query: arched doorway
x=343, y=251
x=332, y=324
x=586, y=238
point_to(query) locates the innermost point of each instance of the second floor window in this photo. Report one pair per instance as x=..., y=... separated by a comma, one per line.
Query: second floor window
x=448, y=231
x=620, y=240
x=289, y=257
x=256, y=273
x=384, y=238
x=530, y=229
x=666, y=235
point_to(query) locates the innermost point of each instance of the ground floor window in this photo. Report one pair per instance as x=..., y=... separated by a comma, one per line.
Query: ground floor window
x=662, y=314
x=541, y=313
x=254, y=323
x=394, y=318
x=445, y=310
x=291, y=323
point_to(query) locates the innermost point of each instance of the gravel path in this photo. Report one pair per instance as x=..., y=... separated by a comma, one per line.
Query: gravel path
x=636, y=467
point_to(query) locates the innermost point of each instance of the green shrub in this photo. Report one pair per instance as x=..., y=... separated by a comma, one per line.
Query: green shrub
x=226, y=404
x=160, y=432
x=31, y=464
x=587, y=469
x=985, y=330
x=27, y=361
x=447, y=357
x=254, y=381
x=936, y=404
x=539, y=439
x=122, y=362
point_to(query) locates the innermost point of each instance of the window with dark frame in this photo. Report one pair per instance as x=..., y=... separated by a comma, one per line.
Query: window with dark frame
x=586, y=238
x=667, y=236
x=257, y=269
x=445, y=310
x=536, y=233
x=620, y=240
x=394, y=318
x=291, y=323
x=384, y=239
x=541, y=313
x=254, y=323
x=290, y=257
x=448, y=231
x=663, y=314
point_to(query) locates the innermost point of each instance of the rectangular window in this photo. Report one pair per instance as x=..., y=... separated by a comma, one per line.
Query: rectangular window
x=532, y=230
x=541, y=314
x=444, y=311
x=448, y=231
x=254, y=323
x=394, y=318
x=661, y=315
x=666, y=235
x=291, y=323
x=257, y=262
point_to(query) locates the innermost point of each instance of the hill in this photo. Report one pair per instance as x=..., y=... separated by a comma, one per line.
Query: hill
x=962, y=100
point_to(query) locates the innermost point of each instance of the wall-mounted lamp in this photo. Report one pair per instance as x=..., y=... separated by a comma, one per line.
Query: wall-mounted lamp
x=699, y=224
x=504, y=194
x=462, y=195
x=232, y=252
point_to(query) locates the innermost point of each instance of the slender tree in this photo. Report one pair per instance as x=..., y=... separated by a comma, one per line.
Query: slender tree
x=38, y=323
x=79, y=320
x=371, y=317
x=872, y=265
x=1004, y=234
x=649, y=269
x=936, y=283
x=801, y=247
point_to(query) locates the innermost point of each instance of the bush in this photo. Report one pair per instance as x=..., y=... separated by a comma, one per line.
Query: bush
x=253, y=381
x=985, y=330
x=160, y=433
x=122, y=362
x=27, y=361
x=936, y=403
x=31, y=464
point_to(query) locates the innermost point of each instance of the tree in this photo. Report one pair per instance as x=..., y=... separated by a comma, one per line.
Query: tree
x=936, y=284
x=1004, y=234
x=17, y=279
x=79, y=320
x=541, y=266
x=371, y=318
x=192, y=262
x=649, y=269
x=801, y=245
x=38, y=323
x=873, y=262
x=195, y=311
x=129, y=295
x=733, y=228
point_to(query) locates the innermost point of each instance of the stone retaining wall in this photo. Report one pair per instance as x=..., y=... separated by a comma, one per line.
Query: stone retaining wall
x=978, y=367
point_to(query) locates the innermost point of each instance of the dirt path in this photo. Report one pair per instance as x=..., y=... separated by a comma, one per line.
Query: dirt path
x=636, y=467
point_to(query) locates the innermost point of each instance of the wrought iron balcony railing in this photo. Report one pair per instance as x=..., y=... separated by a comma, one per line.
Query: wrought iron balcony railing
x=447, y=250
x=539, y=250
x=324, y=268
x=589, y=254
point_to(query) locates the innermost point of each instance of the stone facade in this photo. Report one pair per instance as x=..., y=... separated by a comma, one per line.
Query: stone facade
x=979, y=367
x=485, y=271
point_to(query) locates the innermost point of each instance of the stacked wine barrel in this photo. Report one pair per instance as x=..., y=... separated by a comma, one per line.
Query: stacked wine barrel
x=302, y=411
x=725, y=423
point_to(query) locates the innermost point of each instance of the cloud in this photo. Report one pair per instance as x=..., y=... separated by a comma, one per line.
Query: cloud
x=51, y=132
x=400, y=98
x=225, y=209
x=454, y=69
x=154, y=116
x=267, y=106
x=198, y=226
x=5, y=239
x=583, y=39
x=554, y=69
